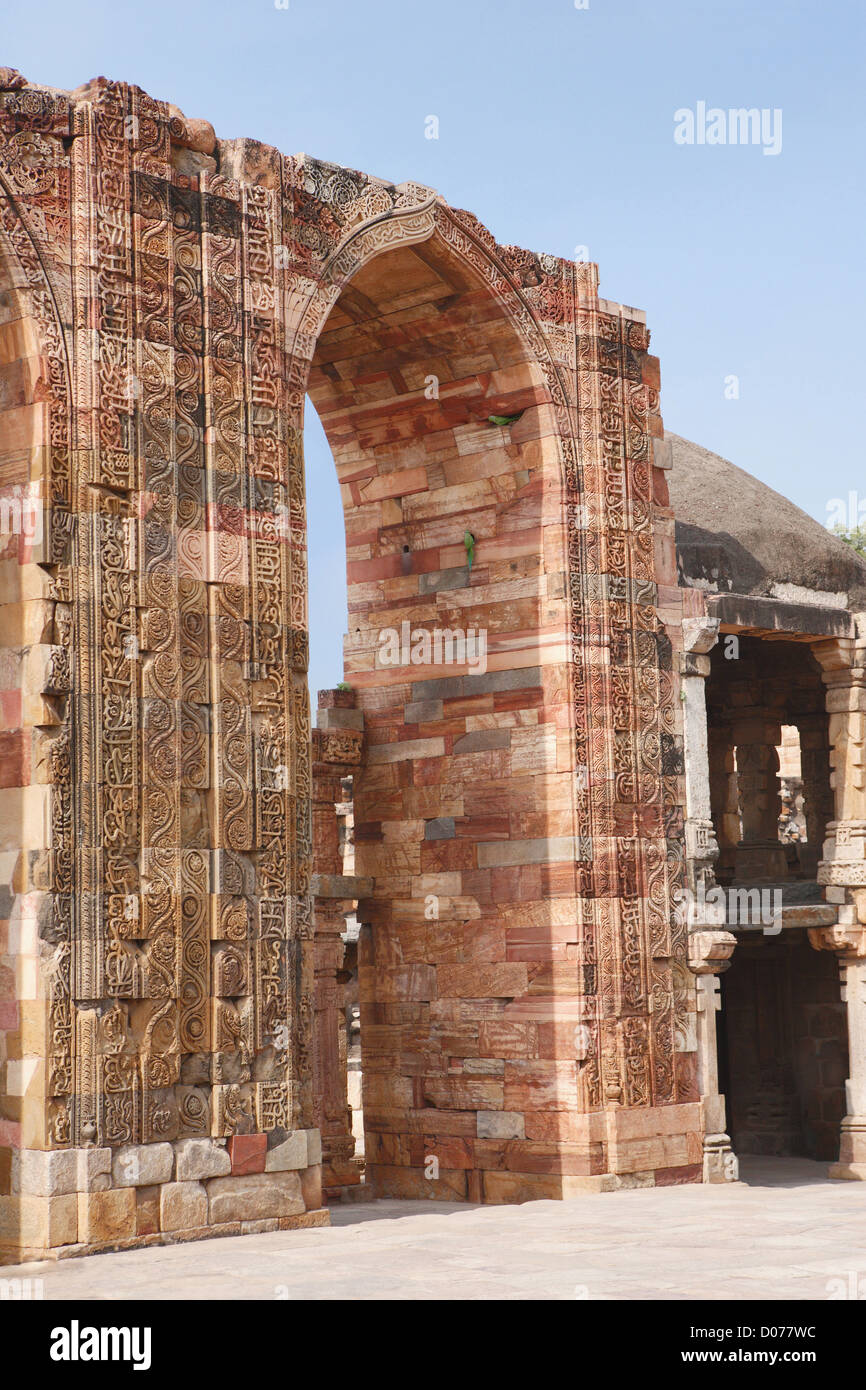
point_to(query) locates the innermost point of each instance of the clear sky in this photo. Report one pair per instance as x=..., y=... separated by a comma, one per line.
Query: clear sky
x=556, y=128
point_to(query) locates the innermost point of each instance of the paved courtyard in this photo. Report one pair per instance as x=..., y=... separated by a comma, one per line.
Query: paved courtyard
x=784, y=1232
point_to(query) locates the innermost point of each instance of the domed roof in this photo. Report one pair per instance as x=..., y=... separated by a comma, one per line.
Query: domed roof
x=736, y=535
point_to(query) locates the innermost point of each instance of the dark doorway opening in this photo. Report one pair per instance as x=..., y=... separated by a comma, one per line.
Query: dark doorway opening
x=783, y=1048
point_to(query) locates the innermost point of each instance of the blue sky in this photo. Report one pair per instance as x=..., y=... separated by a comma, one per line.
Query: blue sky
x=556, y=129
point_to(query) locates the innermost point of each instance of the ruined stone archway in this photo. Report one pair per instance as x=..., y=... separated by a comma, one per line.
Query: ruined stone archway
x=542, y=1045
x=415, y=357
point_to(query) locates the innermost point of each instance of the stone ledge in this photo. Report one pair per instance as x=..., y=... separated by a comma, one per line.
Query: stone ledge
x=760, y=616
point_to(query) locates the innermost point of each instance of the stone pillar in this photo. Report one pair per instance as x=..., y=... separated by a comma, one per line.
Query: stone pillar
x=709, y=956
x=724, y=799
x=843, y=870
x=710, y=946
x=702, y=850
x=760, y=853
x=337, y=749
x=849, y=943
x=817, y=792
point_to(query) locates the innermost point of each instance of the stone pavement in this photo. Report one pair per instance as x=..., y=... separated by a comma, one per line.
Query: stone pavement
x=786, y=1232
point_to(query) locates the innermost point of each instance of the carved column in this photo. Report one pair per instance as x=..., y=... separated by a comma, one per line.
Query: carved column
x=702, y=850
x=760, y=853
x=337, y=749
x=817, y=792
x=724, y=799
x=849, y=943
x=710, y=945
x=843, y=871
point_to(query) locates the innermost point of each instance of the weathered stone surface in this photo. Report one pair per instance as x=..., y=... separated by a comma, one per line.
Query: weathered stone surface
x=183, y=1206
x=38, y=1222
x=200, y=1158
x=254, y=1198
x=94, y=1169
x=142, y=1165
x=442, y=828
x=247, y=1153
x=311, y=1188
x=482, y=740
x=147, y=1210
x=106, y=1216
x=500, y=1124
x=292, y=1153
x=314, y=1147
x=43, y=1173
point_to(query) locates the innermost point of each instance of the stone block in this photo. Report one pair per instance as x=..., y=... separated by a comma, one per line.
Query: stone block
x=254, y=1197
x=314, y=1147
x=107, y=1216
x=442, y=828
x=340, y=886
x=520, y=678
x=183, y=1206
x=45, y=1173
x=397, y=1181
x=500, y=1124
x=94, y=1170
x=311, y=1187
x=482, y=740
x=509, y=1188
x=291, y=1153
x=142, y=1165
x=438, y=581
x=406, y=751
x=305, y=1220
x=260, y=1228
x=328, y=719
x=39, y=1222
x=504, y=853
x=422, y=712
x=146, y=1211
x=196, y=1159
x=247, y=1153
x=505, y=980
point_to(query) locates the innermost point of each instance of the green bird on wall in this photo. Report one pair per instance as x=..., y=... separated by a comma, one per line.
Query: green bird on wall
x=469, y=542
x=503, y=419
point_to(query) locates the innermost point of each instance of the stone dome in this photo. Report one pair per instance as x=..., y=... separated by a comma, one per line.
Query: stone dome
x=736, y=535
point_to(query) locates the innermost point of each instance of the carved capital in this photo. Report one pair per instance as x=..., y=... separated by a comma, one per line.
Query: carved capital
x=710, y=951
x=700, y=634
x=845, y=940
